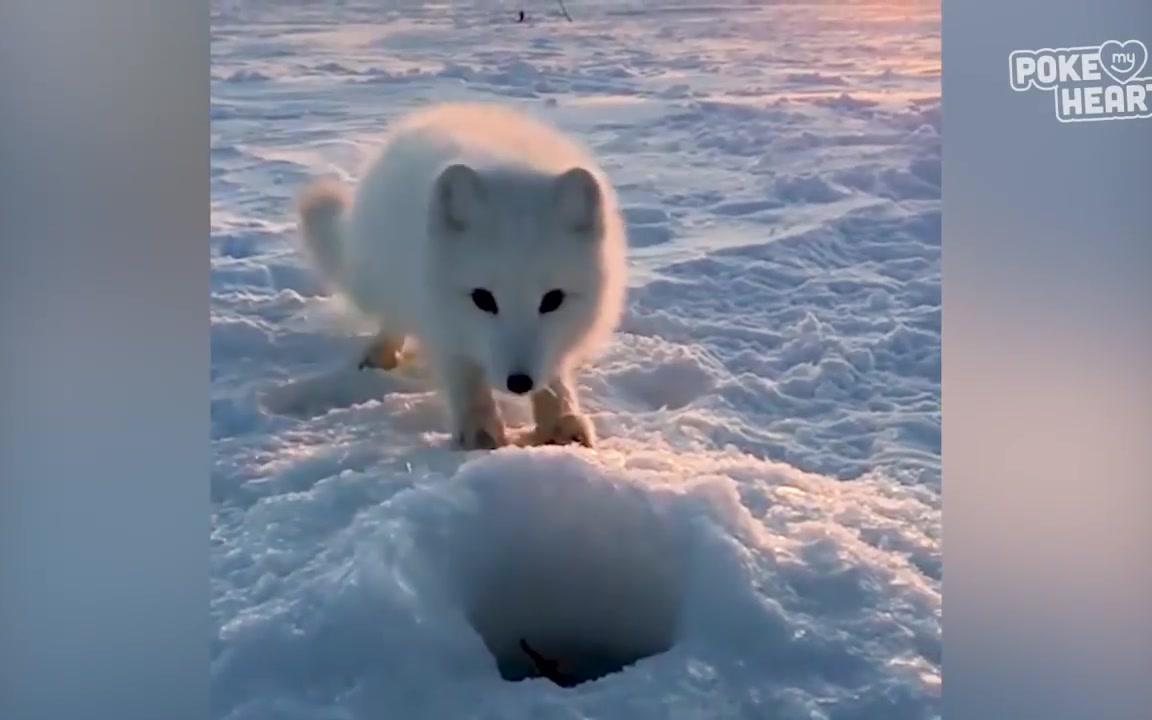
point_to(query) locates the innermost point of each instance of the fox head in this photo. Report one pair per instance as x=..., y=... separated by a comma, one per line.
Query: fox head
x=528, y=270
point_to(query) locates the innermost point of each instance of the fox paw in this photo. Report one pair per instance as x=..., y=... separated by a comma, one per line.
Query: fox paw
x=568, y=430
x=482, y=436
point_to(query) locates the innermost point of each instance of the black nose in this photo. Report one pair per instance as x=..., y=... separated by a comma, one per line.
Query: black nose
x=519, y=383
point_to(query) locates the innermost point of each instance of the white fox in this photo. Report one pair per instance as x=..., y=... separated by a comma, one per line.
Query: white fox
x=496, y=243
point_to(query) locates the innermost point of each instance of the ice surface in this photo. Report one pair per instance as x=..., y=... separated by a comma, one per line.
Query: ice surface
x=758, y=535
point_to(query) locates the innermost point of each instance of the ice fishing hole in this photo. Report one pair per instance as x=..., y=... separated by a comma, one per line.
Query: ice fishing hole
x=566, y=573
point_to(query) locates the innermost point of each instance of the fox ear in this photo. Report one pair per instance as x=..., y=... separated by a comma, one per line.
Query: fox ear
x=459, y=195
x=578, y=200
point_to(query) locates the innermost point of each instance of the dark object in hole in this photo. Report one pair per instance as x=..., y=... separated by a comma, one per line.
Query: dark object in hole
x=522, y=17
x=567, y=664
x=546, y=668
x=570, y=665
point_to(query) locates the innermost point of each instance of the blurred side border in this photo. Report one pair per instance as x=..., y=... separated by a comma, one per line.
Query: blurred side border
x=104, y=353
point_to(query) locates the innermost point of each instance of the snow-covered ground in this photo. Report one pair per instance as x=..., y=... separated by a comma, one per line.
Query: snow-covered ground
x=765, y=501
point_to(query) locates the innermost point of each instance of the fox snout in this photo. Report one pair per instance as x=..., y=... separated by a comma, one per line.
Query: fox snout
x=516, y=377
x=518, y=362
x=519, y=383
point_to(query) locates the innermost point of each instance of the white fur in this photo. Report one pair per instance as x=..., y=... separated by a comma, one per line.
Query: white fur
x=480, y=196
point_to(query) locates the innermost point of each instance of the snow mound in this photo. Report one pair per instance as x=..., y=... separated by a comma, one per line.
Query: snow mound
x=640, y=570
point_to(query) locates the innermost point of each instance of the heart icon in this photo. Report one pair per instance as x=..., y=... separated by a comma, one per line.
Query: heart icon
x=1123, y=61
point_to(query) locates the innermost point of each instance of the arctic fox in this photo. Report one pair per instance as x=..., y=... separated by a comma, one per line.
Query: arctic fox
x=496, y=243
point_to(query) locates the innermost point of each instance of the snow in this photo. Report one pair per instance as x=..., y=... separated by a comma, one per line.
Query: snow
x=759, y=529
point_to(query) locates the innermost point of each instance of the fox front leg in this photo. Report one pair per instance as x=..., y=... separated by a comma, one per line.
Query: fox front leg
x=559, y=421
x=476, y=421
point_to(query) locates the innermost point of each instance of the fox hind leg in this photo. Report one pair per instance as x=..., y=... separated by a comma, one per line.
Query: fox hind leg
x=383, y=352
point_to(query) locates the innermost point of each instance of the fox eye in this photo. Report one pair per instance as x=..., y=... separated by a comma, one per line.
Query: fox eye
x=551, y=301
x=485, y=301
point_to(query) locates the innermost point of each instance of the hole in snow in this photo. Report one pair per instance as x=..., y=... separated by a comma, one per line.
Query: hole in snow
x=563, y=572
